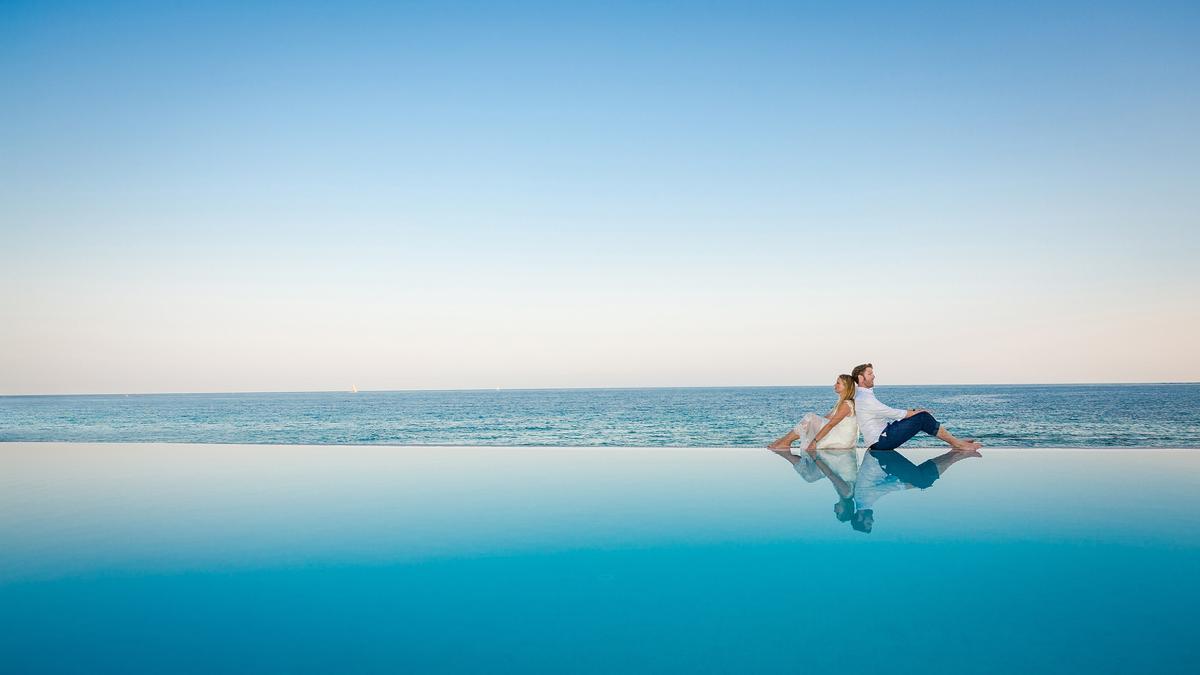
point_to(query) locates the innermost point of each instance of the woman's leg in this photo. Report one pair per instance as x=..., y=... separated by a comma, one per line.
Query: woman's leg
x=785, y=442
x=807, y=427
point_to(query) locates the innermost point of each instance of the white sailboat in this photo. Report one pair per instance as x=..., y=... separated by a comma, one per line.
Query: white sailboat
x=354, y=389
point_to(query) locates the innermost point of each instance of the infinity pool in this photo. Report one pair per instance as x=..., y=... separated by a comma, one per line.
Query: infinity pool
x=206, y=558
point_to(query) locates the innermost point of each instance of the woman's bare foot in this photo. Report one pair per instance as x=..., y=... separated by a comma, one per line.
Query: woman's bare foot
x=784, y=442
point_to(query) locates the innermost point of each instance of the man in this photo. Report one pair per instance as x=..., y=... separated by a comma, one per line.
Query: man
x=885, y=428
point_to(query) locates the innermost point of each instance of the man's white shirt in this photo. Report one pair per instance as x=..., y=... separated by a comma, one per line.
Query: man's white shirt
x=872, y=415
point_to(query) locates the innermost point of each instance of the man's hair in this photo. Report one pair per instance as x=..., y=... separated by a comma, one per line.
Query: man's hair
x=858, y=370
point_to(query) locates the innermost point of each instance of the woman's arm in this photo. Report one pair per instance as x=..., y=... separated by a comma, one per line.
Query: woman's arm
x=837, y=416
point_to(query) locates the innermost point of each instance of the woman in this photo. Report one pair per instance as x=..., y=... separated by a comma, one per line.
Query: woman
x=828, y=448
x=839, y=432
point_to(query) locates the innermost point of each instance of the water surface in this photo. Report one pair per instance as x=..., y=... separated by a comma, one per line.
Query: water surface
x=206, y=558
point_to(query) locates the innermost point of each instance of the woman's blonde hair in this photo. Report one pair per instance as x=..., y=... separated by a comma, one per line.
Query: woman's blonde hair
x=848, y=389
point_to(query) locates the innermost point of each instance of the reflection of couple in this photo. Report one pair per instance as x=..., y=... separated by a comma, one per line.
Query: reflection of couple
x=883, y=428
x=882, y=472
x=828, y=448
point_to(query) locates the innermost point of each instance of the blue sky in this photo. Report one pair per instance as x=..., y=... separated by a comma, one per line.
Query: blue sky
x=275, y=196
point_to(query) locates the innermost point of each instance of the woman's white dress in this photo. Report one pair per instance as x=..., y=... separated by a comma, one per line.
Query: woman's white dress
x=836, y=449
x=844, y=436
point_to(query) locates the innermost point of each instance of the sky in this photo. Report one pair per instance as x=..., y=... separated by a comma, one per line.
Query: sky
x=241, y=196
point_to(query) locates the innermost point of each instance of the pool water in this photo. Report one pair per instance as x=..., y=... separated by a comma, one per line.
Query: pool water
x=204, y=558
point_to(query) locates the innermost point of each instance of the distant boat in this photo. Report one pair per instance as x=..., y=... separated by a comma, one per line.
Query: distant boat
x=354, y=389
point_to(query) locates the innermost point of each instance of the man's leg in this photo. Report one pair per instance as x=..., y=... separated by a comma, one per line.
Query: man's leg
x=899, y=432
x=945, y=436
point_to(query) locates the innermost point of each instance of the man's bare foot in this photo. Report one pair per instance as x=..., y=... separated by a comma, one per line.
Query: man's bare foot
x=969, y=445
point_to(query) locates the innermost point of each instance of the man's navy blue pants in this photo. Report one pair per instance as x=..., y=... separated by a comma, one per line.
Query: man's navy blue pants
x=898, y=432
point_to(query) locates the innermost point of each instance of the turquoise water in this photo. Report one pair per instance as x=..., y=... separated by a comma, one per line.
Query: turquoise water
x=211, y=558
x=1000, y=416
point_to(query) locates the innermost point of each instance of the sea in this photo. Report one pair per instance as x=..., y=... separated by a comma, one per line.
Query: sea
x=1032, y=416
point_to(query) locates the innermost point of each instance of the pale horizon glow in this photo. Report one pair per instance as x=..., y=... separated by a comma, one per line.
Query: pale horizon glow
x=294, y=197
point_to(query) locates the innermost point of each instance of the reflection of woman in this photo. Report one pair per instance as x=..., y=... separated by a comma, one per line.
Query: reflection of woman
x=839, y=466
x=839, y=432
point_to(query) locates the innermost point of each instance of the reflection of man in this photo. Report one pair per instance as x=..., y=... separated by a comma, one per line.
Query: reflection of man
x=885, y=471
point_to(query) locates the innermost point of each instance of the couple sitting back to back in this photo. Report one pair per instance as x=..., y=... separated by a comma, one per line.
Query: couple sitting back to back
x=883, y=428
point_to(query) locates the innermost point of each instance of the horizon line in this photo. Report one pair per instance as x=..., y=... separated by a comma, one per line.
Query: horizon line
x=494, y=389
